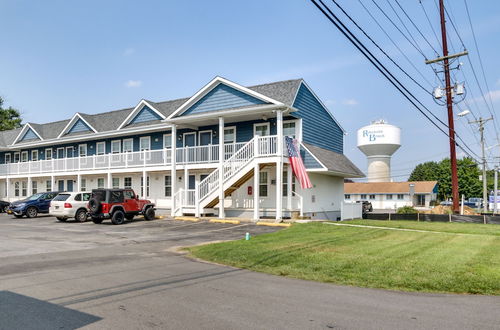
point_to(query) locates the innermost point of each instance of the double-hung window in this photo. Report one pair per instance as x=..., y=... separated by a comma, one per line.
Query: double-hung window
x=167, y=141
x=24, y=156
x=16, y=157
x=168, y=186
x=82, y=150
x=263, y=187
x=289, y=129
x=116, y=146
x=48, y=154
x=48, y=185
x=16, y=189
x=100, y=183
x=127, y=182
x=100, y=148
x=34, y=187
x=24, y=188
x=145, y=146
x=7, y=158
x=34, y=155
x=83, y=184
x=115, y=182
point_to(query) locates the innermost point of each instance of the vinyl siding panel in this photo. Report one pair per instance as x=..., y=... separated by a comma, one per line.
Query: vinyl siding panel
x=29, y=135
x=146, y=114
x=318, y=127
x=79, y=126
x=222, y=97
x=308, y=159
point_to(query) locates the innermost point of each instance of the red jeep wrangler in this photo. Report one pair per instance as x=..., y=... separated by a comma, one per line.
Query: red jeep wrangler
x=118, y=205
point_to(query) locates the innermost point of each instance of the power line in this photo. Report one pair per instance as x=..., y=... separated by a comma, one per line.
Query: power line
x=429, y=21
x=379, y=66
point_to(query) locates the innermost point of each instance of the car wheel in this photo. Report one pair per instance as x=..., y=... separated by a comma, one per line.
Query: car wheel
x=118, y=218
x=149, y=214
x=5, y=208
x=97, y=220
x=31, y=212
x=63, y=219
x=18, y=216
x=129, y=217
x=81, y=215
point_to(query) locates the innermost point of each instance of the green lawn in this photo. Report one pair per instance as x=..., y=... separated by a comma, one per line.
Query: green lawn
x=370, y=257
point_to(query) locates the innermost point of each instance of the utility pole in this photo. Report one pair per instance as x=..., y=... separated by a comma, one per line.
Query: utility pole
x=449, y=104
x=481, y=123
x=495, y=207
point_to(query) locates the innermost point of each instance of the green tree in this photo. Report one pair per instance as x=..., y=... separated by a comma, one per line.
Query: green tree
x=10, y=118
x=425, y=172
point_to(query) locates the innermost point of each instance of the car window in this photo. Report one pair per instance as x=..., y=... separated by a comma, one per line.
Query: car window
x=34, y=197
x=49, y=196
x=129, y=194
x=78, y=197
x=99, y=194
x=116, y=197
x=61, y=197
x=86, y=197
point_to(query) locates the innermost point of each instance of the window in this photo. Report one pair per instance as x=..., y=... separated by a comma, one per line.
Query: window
x=285, y=183
x=289, y=129
x=347, y=196
x=24, y=188
x=48, y=185
x=78, y=197
x=34, y=187
x=167, y=141
x=128, y=194
x=230, y=135
x=86, y=197
x=16, y=157
x=34, y=155
x=261, y=129
x=372, y=196
x=116, y=146
x=7, y=158
x=83, y=185
x=128, y=145
x=142, y=186
x=168, y=186
x=363, y=196
x=116, y=182
x=82, y=150
x=145, y=143
x=388, y=196
x=116, y=196
x=100, y=148
x=16, y=188
x=60, y=153
x=401, y=196
x=100, y=182
x=127, y=183
x=24, y=156
x=48, y=154
x=69, y=152
x=263, y=184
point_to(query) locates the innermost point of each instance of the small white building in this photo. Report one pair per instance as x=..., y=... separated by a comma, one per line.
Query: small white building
x=392, y=195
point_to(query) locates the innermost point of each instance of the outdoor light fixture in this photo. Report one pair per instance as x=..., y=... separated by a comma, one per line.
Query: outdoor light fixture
x=463, y=113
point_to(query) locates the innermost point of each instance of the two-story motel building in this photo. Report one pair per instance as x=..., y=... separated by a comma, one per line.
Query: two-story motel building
x=223, y=143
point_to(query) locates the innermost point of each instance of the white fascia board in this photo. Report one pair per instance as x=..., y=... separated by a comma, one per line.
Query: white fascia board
x=23, y=131
x=137, y=109
x=78, y=138
x=315, y=158
x=322, y=104
x=214, y=83
x=72, y=122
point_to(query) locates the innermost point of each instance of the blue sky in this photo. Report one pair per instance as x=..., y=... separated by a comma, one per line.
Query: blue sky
x=62, y=57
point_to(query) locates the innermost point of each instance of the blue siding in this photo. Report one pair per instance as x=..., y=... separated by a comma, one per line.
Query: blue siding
x=318, y=127
x=79, y=126
x=29, y=135
x=146, y=114
x=309, y=161
x=222, y=97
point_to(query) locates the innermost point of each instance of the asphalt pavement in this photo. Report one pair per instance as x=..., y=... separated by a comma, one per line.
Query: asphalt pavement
x=71, y=275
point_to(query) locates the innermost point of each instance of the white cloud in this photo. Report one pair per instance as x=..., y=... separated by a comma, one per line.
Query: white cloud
x=350, y=102
x=330, y=102
x=133, y=83
x=128, y=51
x=495, y=96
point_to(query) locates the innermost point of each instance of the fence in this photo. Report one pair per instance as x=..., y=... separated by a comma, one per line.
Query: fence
x=486, y=219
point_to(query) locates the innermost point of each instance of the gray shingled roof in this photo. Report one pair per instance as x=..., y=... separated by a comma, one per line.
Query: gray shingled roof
x=335, y=162
x=282, y=91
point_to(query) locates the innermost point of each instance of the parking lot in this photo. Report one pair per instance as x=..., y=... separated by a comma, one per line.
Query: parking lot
x=57, y=275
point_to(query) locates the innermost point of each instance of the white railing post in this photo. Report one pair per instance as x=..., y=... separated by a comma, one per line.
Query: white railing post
x=221, y=168
x=256, y=146
x=196, y=202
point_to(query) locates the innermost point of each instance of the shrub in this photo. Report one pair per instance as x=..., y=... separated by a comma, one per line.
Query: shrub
x=406, y=210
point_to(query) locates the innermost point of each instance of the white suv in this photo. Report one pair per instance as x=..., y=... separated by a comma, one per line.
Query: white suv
x=70, y=205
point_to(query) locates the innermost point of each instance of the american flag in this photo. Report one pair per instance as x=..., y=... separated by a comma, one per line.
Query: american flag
x=298, y=167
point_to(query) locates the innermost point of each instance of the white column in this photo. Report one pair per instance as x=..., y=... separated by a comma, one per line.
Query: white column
x=145, y=184
x=221, y=168
x=256, y=196
x=52, y=182
x=186, y=178
x=289, y=186
x=110, y=180
x=196, y=199
x=30, y=191
x=279, y=166
x=7, y=189
x=78, y=182
x=173, y=174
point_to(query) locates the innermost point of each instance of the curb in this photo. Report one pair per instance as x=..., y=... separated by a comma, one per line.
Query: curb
x=273, y=224
x=233, y=222
x=187, y=219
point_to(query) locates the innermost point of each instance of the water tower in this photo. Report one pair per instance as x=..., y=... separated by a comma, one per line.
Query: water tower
x=379, y=141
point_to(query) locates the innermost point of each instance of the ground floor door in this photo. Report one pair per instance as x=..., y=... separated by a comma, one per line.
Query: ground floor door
x=420, y=200
x=192, y=182
x=60, y=185
x=69, y=185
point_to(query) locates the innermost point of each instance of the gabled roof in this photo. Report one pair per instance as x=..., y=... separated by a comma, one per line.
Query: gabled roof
x=76, y=118
x=137, y=110
x=421, y=187
x=333, y=162
x=29, y=127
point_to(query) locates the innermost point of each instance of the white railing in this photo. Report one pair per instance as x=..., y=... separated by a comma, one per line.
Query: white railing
x=186, y=155
x=301, y=202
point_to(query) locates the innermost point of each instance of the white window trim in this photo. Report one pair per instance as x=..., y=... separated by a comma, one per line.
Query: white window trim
x=267, y=184
x=18, y=154
x=102, y=143
x=51, y=154
x=131, y=144
x=22, y=154
x=184, y=138
x=103, y=183
x=57, y=152
x=205, y=131
x=298, y=133
x=9, y=156
x=144, y=138
x=167, y=137
x=72, y=150
x=33, y=152
x=86, y=150
x=224, y=134
x=119, y=146
x=262, y=124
